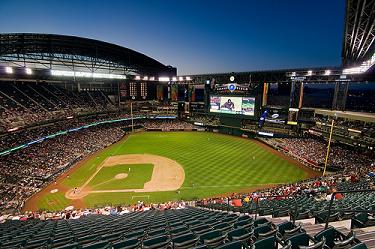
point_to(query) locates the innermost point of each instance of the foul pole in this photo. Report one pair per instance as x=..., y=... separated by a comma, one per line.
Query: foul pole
x=328, y=147
x=131, y=115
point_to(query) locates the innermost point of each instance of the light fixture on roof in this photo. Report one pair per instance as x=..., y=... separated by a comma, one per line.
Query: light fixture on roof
x=327, y=72
x=152, y=78
x=145, y=78
x=8, y=70
x=309, y=73
x=164, y=79
x=180, y=78
x=137, y=77
x=366, y=65
x=174, y=78
x=87, y=74
x=293, y=74
x=188, y=78
x=28, y=71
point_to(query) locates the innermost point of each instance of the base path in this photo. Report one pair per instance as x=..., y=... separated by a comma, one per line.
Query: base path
x=167, y=175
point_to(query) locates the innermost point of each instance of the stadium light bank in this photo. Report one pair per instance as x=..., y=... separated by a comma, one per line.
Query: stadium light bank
x=362, y=68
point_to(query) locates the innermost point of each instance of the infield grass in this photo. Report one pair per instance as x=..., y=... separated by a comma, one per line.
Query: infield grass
x=213, y=163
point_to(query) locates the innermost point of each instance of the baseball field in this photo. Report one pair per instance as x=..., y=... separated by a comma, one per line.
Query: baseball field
x=162, y=166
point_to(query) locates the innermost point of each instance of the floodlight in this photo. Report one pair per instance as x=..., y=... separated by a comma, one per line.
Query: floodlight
x=164, y=79
x=28, y=71
x=8, y=70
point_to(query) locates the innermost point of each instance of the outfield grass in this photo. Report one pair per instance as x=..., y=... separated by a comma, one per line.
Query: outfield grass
x=213, y=164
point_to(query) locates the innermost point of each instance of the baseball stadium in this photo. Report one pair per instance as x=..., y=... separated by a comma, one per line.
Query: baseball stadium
x=102, y=146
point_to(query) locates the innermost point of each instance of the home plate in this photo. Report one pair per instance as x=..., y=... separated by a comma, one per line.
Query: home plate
x=54, y=191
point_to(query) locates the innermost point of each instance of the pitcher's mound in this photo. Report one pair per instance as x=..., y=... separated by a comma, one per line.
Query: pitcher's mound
x=121, y=176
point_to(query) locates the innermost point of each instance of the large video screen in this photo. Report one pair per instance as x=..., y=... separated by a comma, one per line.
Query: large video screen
x=232, y=105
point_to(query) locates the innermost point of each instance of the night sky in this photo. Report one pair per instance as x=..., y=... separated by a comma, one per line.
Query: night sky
x=196, y=36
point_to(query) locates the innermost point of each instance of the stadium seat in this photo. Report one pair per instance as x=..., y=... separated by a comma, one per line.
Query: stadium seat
x=322, y=217
x=179, y=230
x=359, y=246
x=264, y=231
x=201, y=229
x=112, y=236
x=223, y=227
x=362, y=220
x=157, y=232
x=241, y=234
x=74, y=245
x=303, y=240
x=261, y=221
x=287, y=229
x=212, y=239
x=349, y=240
x=244, y=223
x=157, y=242
x=329, y=234
x=231, y=245
x=188, y=240
x=266, y=243
x=96, y=245
x=126, y=244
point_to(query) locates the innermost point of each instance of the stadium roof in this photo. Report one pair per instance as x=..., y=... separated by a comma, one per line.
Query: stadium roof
x=359, y=34
x=62, y=52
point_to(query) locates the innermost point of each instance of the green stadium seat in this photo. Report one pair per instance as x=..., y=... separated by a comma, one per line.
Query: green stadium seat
x=201, y=229
x=231, y=245
x=212, y=239
x=112, y=236
x=157, y=242
x=241, y=234
x=359, y=246
x=157, y=232
x=260, y=221
x=96, y=245
x=303, y=240
x=223, y=227
x=74, y=245
x=266, y=243
x=178, y=231
x=126, y=244
x=362, y=220
x=187, y=240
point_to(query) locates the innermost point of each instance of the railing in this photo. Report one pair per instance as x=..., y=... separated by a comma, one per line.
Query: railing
x=346, y=210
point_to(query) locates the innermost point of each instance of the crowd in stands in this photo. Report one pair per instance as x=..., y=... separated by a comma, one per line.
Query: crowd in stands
x=318, y=191
x=22, y=104
x=27, y=170
x=11, y=139
x=71, y=213
x=313, y=150
x=343, y=126
x=205, y=119
x=166, y=124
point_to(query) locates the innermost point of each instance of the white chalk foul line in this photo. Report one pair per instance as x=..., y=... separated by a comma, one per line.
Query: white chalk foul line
x=238, y=185
x=140, y=196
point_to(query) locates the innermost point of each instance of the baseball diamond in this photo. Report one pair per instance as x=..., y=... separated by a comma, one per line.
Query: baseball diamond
x=185, y=166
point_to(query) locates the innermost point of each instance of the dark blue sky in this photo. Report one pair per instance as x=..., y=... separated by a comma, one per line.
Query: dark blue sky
x=203, y=36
